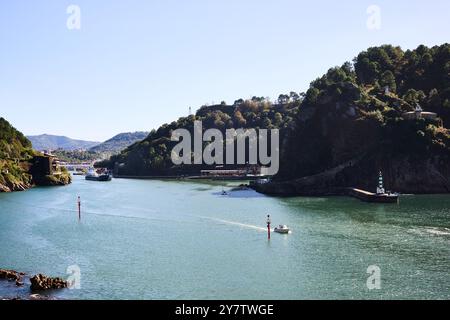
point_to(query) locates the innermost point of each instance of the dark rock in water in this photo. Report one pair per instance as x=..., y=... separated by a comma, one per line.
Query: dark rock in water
x=9, y=275
x=12, y=275
x=41, y=282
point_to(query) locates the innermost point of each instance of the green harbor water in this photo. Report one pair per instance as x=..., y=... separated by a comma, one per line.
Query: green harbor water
x=143, y=239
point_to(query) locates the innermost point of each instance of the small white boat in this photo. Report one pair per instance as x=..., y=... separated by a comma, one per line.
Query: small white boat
x=92, y=175
x=282, y=229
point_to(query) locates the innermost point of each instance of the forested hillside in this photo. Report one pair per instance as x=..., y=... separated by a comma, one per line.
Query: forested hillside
x=352, y=115
x=15, y=150
x=16, y=163
x=355, y=114
x=152, y=156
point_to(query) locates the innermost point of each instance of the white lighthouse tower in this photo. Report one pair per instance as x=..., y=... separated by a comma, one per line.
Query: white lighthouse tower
x=380, y=188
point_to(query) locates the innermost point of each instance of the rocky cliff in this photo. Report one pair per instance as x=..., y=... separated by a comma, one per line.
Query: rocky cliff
x=18, y=169
x=388, y=112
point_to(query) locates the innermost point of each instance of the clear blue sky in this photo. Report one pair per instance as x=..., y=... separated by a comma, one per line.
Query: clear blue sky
x=135, y=65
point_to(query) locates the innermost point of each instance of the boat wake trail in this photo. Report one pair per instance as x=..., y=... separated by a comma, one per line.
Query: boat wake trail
x=434, y=231
x=233, y=223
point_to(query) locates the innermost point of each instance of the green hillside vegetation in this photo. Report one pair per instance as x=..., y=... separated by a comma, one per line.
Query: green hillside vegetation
x=16, y=162
x=152, y=156
x=348, y=111
x=15, y=151
x=77, y=156
x=353, y=114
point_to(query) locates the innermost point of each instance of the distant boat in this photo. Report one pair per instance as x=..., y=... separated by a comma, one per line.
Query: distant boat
x=94, y=176
x=282, y=229
x=381, y=196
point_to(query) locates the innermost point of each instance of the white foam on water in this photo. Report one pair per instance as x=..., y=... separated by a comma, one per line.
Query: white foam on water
x=438, y=231
x=435, y=231
x=233, y=223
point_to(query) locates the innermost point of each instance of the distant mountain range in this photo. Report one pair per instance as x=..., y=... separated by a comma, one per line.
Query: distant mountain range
x=119, y=142
x=113, y=145
x=51, y=142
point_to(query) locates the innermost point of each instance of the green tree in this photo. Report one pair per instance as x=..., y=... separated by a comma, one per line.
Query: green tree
x=388, y=80
x=311, y=95
x=283, y=98
x=278, y=119
x=239, y=119
x=294, y=96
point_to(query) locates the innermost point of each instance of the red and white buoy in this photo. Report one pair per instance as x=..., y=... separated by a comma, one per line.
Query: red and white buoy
x=268, y=226
x=79, y=208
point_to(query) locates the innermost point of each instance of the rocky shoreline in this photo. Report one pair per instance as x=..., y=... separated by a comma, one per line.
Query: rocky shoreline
x=38, y=284
x=402, y=175
x=48, y=180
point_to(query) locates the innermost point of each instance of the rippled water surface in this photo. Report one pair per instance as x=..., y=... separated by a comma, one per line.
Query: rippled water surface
x=142, y=239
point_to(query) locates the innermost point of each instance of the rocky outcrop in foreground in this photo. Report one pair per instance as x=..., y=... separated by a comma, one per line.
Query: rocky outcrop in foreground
x=41, y=282
x=9, y=183
x=9, y=274
x=12, y=275
x=26, y=181
x=38, y=282
x=58, y=179
x=14, y=187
